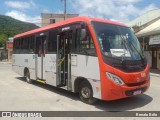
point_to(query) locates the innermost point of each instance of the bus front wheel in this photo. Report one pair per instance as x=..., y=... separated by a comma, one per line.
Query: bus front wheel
x=28, y=79
x=86, y=93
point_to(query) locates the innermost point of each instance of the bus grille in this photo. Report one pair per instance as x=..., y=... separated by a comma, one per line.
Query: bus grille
x=136, y=84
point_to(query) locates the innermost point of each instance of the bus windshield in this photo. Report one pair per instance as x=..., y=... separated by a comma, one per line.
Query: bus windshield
x=117, y=41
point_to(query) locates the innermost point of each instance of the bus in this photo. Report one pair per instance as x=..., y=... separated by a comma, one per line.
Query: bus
x=97, y=58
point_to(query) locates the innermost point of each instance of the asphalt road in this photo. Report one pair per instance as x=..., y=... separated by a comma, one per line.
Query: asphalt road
x=17, y=95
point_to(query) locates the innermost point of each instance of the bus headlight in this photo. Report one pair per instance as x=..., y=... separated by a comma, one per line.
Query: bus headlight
x=115, y=78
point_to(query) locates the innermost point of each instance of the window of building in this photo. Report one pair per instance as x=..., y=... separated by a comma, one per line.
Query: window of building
x=52, y=21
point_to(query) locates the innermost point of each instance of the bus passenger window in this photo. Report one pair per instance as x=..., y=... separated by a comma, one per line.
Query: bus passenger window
x=85, y=45
x=52, y=41
x=31, y=44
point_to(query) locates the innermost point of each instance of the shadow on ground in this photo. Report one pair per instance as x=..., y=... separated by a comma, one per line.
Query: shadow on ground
x=125, y=104
x=52, y=89
x=117, y=105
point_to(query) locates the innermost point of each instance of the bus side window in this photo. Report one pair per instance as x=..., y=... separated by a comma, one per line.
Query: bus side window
x=14, y=46
x=25, y=45
x=17, y=46
x=52, y=41
x=86, y=45
x=21, y=44
x=31, y=44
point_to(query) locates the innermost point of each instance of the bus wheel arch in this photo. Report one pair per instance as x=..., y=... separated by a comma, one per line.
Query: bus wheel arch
x=82, y=86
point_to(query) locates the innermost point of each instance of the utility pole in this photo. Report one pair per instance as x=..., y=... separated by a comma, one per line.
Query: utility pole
x=64, y=9
x=65, y=16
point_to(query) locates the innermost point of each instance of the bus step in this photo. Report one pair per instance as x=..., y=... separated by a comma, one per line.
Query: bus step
x=41, y=81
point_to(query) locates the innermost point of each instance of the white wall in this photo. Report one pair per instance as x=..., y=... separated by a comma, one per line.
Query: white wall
x=158, y=60
x=148, y=55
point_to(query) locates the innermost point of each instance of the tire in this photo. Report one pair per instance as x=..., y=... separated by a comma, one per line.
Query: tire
x=86, y=93
x=28, y=79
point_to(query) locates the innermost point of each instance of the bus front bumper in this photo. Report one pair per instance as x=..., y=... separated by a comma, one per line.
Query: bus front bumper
x=124, y=91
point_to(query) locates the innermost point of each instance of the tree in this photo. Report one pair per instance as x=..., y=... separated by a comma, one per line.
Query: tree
x=10, y=27
x=3, y=39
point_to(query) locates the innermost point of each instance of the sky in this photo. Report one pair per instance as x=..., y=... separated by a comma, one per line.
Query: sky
x=117, y=10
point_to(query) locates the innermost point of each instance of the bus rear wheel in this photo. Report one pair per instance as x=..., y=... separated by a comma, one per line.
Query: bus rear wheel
x=86, y=93
x=28, y=79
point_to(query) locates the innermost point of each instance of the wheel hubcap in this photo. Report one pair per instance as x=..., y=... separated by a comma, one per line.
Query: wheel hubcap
x=85, y=92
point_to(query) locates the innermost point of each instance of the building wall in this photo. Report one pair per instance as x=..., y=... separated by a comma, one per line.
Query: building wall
x=9, y=46
x=47, y=17
x=148, y=55
x=10, y=50
x=147, y=25
x=150, y=51
x=158, y=59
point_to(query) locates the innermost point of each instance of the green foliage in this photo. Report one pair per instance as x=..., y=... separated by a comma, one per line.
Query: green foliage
x=3, y=39
x=10, y=27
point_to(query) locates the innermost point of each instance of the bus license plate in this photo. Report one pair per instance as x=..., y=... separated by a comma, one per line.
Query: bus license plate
x=137, y=92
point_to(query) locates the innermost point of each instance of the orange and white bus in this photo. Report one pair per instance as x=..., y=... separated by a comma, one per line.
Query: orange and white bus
x=99, y=59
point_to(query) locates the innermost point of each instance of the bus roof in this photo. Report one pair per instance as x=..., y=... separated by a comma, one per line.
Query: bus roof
x=71, y=20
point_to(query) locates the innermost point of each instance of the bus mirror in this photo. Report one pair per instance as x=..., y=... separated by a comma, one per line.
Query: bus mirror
x=83, y=34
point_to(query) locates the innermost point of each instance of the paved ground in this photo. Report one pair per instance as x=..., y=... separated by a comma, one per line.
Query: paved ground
x=16, y=94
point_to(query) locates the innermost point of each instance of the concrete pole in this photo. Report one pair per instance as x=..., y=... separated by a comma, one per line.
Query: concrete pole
x=64, y=9
x=143, y=43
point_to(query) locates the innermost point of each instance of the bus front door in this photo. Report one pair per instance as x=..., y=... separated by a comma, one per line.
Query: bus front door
x=40, y=51
x=63, y=55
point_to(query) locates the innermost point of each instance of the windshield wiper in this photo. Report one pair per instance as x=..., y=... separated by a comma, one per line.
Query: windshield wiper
x=136, y=50
x=124, y=54
x=125, y=47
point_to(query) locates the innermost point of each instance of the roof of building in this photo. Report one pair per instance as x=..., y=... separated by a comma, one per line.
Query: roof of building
x=71, y=20
x=145, y=18
x=152, y=29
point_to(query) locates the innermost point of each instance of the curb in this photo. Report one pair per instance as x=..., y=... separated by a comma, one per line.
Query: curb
x=156, y=75
x=5, y=62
